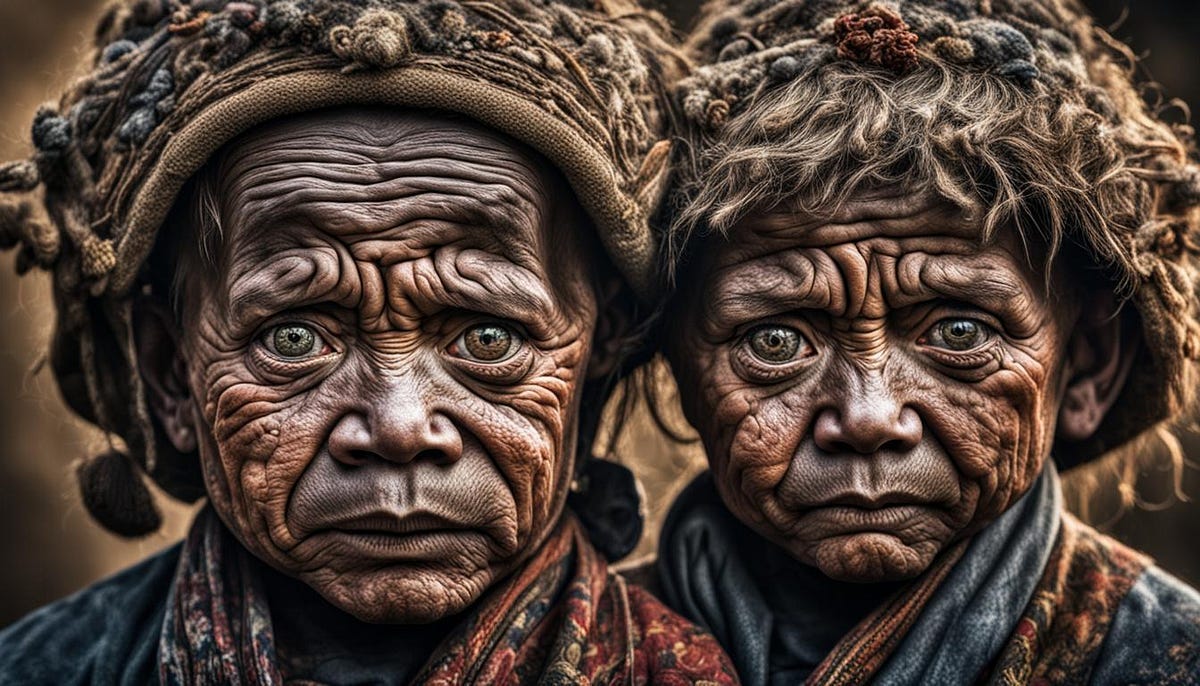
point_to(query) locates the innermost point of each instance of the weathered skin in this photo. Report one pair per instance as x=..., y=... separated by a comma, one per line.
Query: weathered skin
x=921, y=397
x=396, y=452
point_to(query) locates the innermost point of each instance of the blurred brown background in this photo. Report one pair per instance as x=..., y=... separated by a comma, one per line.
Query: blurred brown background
x=48, y=546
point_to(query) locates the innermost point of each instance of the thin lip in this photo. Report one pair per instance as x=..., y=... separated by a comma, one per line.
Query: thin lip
x=874, y=502
x=391, y=523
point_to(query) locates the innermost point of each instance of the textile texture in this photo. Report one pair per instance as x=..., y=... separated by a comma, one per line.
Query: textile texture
x=1036, y=598
x=562, y=619
x=1058, y=639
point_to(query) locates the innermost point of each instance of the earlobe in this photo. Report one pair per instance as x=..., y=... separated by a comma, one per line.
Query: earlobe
x=164, y=372
x=1100, y=356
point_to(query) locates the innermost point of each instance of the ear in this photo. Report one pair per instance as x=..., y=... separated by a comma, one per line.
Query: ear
x=164, y=371
x=1100, y=355
x=613, y=337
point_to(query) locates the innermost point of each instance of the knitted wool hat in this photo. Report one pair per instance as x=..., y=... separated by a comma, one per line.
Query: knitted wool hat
x=1022, y=112
x=171, y=81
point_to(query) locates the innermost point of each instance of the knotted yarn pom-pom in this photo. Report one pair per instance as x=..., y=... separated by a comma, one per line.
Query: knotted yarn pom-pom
x=19, y=176
x=879, y=37
x=115, y=495
x=378, y=39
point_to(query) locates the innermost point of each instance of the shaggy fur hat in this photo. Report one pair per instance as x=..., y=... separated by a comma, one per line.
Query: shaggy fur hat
x=171, y=81
x=1020, y=111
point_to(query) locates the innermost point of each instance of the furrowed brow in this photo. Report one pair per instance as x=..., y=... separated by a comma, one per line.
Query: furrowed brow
x=484, y=282
x=986, y=285
x=289, y=282
x=757, y=290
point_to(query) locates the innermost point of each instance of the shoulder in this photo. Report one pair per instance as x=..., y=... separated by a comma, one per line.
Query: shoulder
x=671, y=649
x=1155, y=634
x=106, y=633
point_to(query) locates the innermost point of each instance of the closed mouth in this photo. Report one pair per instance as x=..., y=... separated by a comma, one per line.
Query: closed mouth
x=876, y=502
x=392, y=525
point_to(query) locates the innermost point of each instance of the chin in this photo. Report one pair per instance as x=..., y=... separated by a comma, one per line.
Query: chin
x=868, y=557
x=402, y=595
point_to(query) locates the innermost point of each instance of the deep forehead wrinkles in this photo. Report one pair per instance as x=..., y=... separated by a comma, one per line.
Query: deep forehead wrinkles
x=363, y=174
x=865, y=268
x=335, y=189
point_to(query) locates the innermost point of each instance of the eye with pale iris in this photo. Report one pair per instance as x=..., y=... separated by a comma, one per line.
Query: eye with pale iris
x=775, y=344
x=958, y=334
x=490, y=343
x=294, y=341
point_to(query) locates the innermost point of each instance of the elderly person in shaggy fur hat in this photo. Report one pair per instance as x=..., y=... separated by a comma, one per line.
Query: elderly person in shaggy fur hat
x=361, y=274
x=933, y=252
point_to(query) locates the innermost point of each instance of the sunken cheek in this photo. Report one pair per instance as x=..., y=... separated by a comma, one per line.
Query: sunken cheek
x=998, y=431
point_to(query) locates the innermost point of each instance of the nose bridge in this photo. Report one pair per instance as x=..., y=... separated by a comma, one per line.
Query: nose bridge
x=400, y=399
x=870, y=399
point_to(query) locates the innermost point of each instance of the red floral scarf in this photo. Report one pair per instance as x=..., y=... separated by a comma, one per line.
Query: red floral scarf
x=562, y=619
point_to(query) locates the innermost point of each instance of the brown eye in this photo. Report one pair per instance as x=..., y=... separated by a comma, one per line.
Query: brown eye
x=958, y=334
x=487, y=343
x=775, y=344
x=294, y=341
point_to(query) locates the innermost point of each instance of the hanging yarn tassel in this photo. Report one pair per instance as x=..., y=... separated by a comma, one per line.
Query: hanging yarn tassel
x=115, y=495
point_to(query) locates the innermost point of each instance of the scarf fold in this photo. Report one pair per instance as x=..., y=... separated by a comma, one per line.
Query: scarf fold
x=1059, y=637
x=1031, y=596
x=563, y=618
x=217, y=629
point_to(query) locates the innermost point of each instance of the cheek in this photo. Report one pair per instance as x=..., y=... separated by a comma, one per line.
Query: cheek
x=759, y=447
x=528, y=430
x=263, y=438
x=750, y=433
x=998, y=430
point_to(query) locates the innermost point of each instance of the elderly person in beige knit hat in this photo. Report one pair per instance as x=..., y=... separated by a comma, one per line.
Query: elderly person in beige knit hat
x=362, y=275
x=931, y=249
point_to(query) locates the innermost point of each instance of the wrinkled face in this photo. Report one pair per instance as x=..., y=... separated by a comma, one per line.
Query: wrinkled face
x=387, y=364
x=872, y=388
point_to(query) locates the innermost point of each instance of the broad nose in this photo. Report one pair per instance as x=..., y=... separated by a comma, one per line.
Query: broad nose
x=399, y=425
x=867, y=420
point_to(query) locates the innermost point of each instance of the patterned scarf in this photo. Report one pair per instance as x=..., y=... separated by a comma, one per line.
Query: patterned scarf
x=1028, y=600
x=1058, y=637
x=562, y=619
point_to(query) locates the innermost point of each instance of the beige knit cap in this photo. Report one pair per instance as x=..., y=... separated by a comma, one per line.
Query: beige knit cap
x=171, y=81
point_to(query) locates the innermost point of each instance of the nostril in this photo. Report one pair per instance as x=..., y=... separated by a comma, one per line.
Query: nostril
x=359, y=457
x=837, y=447
x=894, y=445
x=433, y=455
